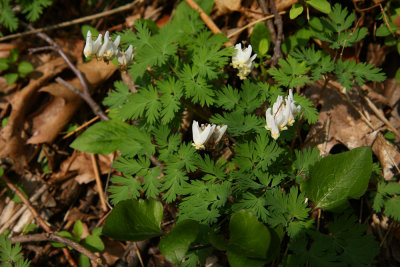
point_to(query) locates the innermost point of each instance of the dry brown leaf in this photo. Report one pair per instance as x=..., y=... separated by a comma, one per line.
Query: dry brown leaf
x=284, y=4
x=114, y=250
x=340, y=123
x=52, y=118
x=227, y=6
x=82, y=166
x=11, y=139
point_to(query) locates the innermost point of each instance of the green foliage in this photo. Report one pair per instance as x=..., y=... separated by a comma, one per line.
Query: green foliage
x=349, y=72
x=336, y=177
x=346, y=244
x=14, y=71
x=176, y=243
x=263, y=187
x=31, y=8
x=386, y=198
x=336, y=28
x=11, y=255
x=260, y=39
x=103, y=137
x=134, y=220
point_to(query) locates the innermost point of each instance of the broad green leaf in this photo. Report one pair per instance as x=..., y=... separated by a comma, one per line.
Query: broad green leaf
x=13, y=57
x=85, y=28
x=78, y=229
x=260, y=38
x=4, y=64
x=237, y=260
x=295, y=11
x=63, y=234
x=103, y=137
x=397, y=76
x=11, y=78
x=335, y=178
x=398, y=48
x=93, y=243
x=134, y=220
x=25, y=67
x=84, y=261
x=321, y=5
x=176, y=243
x=249, y=237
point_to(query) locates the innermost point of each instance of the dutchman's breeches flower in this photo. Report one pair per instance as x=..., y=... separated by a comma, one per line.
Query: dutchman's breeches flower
x=124, y=58
x=109, y=49
x=207, y=134
x=283, y=113
x=91, y=48
x=243, y=61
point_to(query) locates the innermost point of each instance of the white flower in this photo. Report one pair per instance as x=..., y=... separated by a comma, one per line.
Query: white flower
x=295, y=110
x=243, y=61
x=124, y=58
x=91, y=48
x=280, y=116
x=109, y=48
x=201, y=134
x=218, y=133
x=271, y=124
x=283, y=113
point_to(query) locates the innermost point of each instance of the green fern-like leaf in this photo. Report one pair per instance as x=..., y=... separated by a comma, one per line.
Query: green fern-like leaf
x=124, y=188
x=7, y=16
x=172, y=91
x=34, y=8
x=350, y=71
x=196, y=86
x=11, y=255
x=258, y=154
x=238, y=123
x=117, y=97
x=307, y=108
x=291, y=73
x=151, y=182
x=227, y=97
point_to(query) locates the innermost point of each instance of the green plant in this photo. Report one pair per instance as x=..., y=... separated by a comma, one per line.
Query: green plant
x=256, y=197
x=11, y=255
x=32, y=9
x=14, y=71
x=92, y=242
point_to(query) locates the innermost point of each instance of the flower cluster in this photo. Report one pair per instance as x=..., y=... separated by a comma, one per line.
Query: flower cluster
x=282, y=114
x=207, y=134
x=106, y=50
x=243, y=61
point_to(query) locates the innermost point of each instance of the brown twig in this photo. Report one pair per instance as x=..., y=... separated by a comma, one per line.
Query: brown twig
x=72, y=22
x=56, y=238
x=386, y=21
x=207, y=20
x=138, y=253
x=98, y=182
x=85, y=96
x=81, y=127
x=253, y=23
x=85, y=93
x=279, y=38
x=37, y=217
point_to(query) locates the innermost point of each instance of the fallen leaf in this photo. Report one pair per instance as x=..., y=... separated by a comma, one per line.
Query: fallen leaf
x=340, y=123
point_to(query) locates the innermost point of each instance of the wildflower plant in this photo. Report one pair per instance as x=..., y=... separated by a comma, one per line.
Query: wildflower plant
x=217, y=147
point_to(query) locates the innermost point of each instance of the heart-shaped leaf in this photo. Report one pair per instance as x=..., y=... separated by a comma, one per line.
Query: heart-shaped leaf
x=134, y=220
x=335, y=178
x=176, y=243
